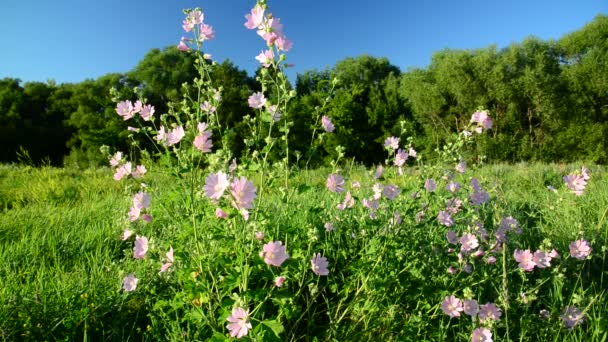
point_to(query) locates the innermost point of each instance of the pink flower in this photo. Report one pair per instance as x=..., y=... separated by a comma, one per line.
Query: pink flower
x=580, y=249
x=205, y=32
x=453, y=205
x=129, y=283
x=542, y=259
x=170, y=261
x=489, y=311
x=243, y=192
x=481, y=335
x=453, y=187
x=273, y=110
x=283, y=44
x=319, y=265
x=585, y=173
x=116, y=159
x=257, y=100
x=430, y=185
x=452, y=306
x=193, y=18
x=391, y=143
x=265, y=58
x=182, y=46
x=378, y=172
x=126, y=234
x=274, y=253
x=328, y=227
x=335, y=183
x=479, y=198
x=572, y=316
x=125, y=109
x=174, y=136
x=461, y=167
x=259, y=236
x=328, y=126
x=400, y=157
x=239, y=324
x=256, y=18
x=139, y=172
x=141, y=247
x=525, y=259
x=452, y=237
x=471, y=307
x=122, y=171
x=575, y=183
x=208, y=107
x=391, y=191
x=348, y=202
x=203, y=141
x=141, y=200
x=215, y=185
x=278, y=281
x=137, y=107
x=412, y=153
x=482, y=120
x=468, y=243
x=445, y=219
x=232, y=166
x=219, y=213
x=147, y=112
x=134, y=214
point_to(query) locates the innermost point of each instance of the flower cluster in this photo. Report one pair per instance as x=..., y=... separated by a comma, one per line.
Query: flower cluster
x=194, y=23
x=126, y=109
x=124, y=168
x=243, y=191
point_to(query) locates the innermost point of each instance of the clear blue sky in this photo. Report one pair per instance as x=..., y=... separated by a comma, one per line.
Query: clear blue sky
x=71, y=40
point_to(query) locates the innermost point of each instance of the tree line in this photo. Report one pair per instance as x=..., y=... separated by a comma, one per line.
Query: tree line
x=548, y=99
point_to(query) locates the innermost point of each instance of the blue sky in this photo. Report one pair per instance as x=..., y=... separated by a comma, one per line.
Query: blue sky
x=72, y=40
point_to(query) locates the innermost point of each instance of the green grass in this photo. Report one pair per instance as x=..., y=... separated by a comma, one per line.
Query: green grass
x=63, y=260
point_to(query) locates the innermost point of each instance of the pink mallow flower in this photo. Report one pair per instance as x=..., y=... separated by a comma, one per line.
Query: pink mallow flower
x=125, y=109
x=126, y=234
x=468, y=243
x=400, y=157
x=205, y=32
x=391, y=191
x=452, y=306
x=391, y=143
x=489, y=311
x=255, y=18
x=116, y=159
x=122, y=171
x=525, y=259
x=576, y=183
x=141, y=247
x=238, y=324
x=580, y=249
x=265, y=58
x=141, y=200
x=174, y=136
x=257, y=100
x=215, y=185
x=481, y=335
x=470, y=307
x=328, y=126
x=274, y=253
x=319, y=265
x=542, y=259
x=219, y=213
x=348, y=202
x=335, y=183
x=139, y=172
x=203, y=140
x=243, y=192
x=278, y=281
x=147, y=112
x=170, y=261
x=482, y=120
x=129, y=283
x=572, y=316
x=430, y=185
x=445, y=218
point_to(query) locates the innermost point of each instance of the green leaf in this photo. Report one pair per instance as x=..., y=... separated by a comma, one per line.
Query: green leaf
x=276, y=327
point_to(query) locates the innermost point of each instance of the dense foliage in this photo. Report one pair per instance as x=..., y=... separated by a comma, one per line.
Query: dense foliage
x=550, y=99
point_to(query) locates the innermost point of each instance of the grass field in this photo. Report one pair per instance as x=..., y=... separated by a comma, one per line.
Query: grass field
x=63, y=259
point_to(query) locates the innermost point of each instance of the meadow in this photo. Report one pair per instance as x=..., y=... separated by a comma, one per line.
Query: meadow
x=178, y=238
x=64, y=260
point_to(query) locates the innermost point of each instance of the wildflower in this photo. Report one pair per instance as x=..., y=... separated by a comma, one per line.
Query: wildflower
x=203, y=140
x=370, y=204
x=510, y=224
x=468, y=242
x=355, y=185
x=193, y=18
x=319, y=265
x=445, y=219
x=147, y=218
x=328, y=126
x=123, y=171
x=134, y=214
x=585, y=173
x=468, y=268
x=283, y=44
x=274, y=253
x=182, y=46
x=265, y=58
x=129, y=283
x=391, y=143
x=452, y=270
x=542, y=259
x=575, y=183
x=400, y=157
x=255, y=18
x=126, y=234
x=259, y=236
x=378, y=172
x=391, y=191
x=481, y=335
x=147, y=112
x=461, y=166
x=141, y=247
x=482, y=120
x=170, y=261
x=411, y=152
x=116, y=159
x=491, y=260
x=174, y=136
x=348, y=202
x=470, y=307
x=278, y=281
x=580, y=249
x=257, y=100
x=205, y=32
x=335, y=183
x=452, y=237
x=453, y=205
x=139, y=172
x=430, y=185
x=215, y=185
x=219, y=213
x=239, y=324
x=572, y=316
x=208, y=107
x=141, y=200
x=489, y=311
x=452, y=306
x=125, y=109
x=525, y=259
x=328, y=227
x=273, y=110
x=243, y=192
x=232, y=166
x=479, y=198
